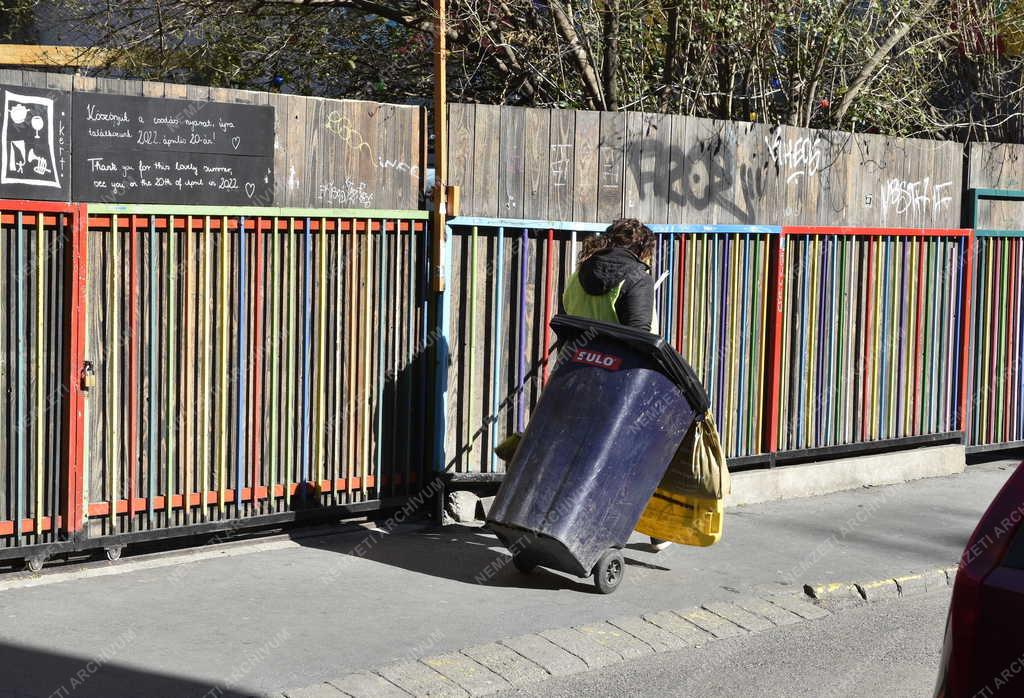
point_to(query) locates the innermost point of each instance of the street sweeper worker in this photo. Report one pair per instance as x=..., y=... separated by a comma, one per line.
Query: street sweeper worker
x=613, y=282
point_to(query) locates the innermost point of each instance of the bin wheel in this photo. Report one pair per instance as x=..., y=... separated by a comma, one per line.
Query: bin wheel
x=35, y=564
x=608, y=571
x=524, y=563
x=114, y=553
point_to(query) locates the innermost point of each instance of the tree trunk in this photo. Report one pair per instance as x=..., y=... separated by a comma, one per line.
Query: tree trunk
x=584, y=67
x=668, y=74
x=610, y=62
x=876, y=59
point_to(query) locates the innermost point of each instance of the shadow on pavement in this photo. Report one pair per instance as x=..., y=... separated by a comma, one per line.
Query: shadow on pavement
x=35, y=673
x=467, y=554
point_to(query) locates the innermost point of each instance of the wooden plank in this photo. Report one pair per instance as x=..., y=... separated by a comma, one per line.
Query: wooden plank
x=486, y=138
x=587, y=167
x=633, y=152
x=510, y=175
x=535, y=166
x=560, y=164
x=461, y=156
x=295, y=172
x=611, y=166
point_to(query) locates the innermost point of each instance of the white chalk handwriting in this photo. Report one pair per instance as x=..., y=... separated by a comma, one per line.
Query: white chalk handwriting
x=348, y=194
x=341, y=126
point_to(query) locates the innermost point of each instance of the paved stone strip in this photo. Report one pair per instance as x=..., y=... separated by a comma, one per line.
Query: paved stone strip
x=777, y=615
x=711, y=623
x=800, y=606
x=507, y=663
x=586, y=648
x=740, y=616
x=321, y=690
x=365, y=684
x=553, y=658
x=470, y=675
x=617, y=640
x=418, y=679
x=485, y=669
x=689, y=633
x=659, y=639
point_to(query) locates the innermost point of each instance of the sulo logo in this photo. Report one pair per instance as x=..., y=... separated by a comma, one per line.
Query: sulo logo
x=596, y=358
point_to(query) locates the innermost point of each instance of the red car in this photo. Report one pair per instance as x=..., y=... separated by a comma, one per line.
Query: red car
x=983, y=653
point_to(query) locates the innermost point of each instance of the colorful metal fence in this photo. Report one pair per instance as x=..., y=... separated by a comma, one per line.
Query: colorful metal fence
x=35, y=342
x=712, y=305
x=251, y=361
x=805, y=338
x=505, y=283
x=872, y=325
x=996, y=401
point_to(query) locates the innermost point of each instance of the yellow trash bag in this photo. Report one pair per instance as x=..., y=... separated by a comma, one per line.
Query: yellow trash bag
x=689, y=505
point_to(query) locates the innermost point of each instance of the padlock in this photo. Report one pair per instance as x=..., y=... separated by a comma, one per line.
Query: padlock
x=88, y=376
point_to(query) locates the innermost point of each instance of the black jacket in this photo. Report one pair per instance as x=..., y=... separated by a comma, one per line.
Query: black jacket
x=606, y=269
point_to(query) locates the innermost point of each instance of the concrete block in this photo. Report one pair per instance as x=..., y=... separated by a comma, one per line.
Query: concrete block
x=740, y=616
x=659, y=639
x=506, y=663
x=813, y=479
x=616, y=639
x=593, y=653
x=461, y=506
x=483, y=507
x=800, y=606
x=711, y=623
x=366, y=685
x=555, y=660
x=879, y=590
x=776, y=615
x=835, y=596
x=472, y=676
x=686, y=631
x=321, y=690
x=420, y=680
x=913, y=584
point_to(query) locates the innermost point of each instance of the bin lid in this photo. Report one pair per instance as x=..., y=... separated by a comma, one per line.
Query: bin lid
x=666, y=359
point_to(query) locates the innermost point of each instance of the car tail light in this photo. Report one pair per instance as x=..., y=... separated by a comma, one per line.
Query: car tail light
x=985, y=550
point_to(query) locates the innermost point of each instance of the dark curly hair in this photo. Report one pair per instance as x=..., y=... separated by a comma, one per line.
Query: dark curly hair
x=624, y=232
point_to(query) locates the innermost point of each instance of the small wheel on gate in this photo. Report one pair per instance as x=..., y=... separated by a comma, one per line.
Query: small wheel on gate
x=608, y=571
x=35, y=564
x=114, y=552
x=524, y=562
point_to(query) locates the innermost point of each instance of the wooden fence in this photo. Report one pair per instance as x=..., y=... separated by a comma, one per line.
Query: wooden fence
x=563, y=165
x=328, y=153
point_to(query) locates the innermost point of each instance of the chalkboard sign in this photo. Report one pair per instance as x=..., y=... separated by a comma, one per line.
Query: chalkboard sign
x=148, y=150
x=36, y=142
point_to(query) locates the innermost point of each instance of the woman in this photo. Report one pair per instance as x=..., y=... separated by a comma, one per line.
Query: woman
x=613, y=282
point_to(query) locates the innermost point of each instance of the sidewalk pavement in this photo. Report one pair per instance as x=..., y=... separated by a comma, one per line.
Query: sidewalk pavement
x=296, y=613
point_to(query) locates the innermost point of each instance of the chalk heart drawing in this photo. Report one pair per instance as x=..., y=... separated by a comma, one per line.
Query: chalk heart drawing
x=235, y=142
x=250, y=189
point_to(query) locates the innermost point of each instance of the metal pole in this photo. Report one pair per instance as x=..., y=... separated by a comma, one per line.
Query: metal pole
x=440, y=145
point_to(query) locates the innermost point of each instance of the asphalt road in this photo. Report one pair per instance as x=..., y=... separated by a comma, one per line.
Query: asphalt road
x=889, y=648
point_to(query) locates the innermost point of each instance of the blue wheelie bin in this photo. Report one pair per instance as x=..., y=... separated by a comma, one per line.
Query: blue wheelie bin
x=617, y=406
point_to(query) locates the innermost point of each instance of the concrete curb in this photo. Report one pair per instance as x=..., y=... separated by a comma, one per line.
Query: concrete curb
x=844, y=594
x=813, y=479
x=493, y=667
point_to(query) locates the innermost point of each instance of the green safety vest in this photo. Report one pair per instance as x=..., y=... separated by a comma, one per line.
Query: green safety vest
x=577, y=301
